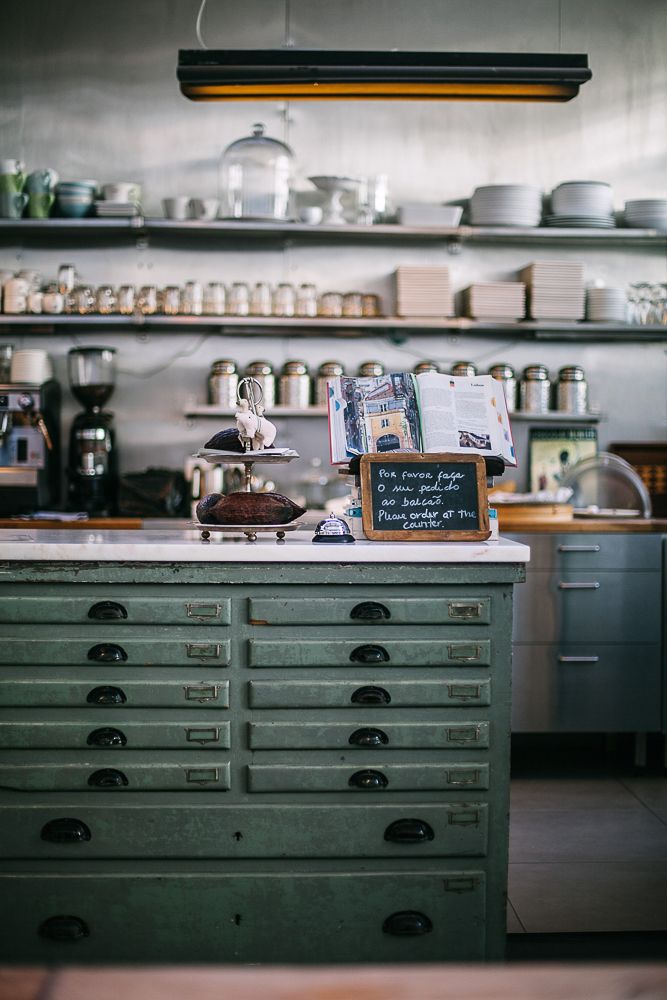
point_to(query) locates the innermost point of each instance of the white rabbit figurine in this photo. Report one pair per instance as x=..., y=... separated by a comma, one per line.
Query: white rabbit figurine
x=265, y=434
x=247, y=423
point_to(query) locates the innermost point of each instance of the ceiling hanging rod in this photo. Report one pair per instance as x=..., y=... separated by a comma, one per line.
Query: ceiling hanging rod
x=301, y=74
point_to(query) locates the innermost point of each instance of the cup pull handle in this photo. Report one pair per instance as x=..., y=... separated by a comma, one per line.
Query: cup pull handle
x=65, y=831
x=370, y=695
x=368, y=779
x=407, y=923
x=106, y=696
x=409, y=831
x=107, y=652
x=107, y=777
x=368, y=738
x=105, y=611
x=63, y=928
x=369, y=654
x=370, y=611
x=106, y=737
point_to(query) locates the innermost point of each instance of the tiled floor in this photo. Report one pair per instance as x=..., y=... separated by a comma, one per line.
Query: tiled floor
x=588, y=853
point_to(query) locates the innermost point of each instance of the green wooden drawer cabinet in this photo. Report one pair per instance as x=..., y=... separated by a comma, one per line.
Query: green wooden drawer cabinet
x=229, y=762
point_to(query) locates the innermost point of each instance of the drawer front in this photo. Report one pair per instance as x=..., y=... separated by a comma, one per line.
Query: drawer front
x=102, y=647
x=112, y=830
x=34, y=687
x=367, y=778
x=106, y=729
x=206, y=916
x=113, y=772
x=371, y=692
x=113, y=607
x=586, y=687
x=568, y=606
x=370, y=610
x=343, y=652
x=584, y=551
x=377, y=734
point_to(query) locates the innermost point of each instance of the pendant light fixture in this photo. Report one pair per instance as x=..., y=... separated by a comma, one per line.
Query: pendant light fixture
x=302, y=74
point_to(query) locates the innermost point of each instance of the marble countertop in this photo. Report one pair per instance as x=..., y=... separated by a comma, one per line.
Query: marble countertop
x=186, y=545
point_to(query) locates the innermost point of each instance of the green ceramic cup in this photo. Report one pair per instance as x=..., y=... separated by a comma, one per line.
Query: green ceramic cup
x=11, y=183
x=39, y=205
x=12, y=204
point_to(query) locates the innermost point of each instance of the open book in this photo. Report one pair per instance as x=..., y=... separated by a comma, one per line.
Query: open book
x=429, y=412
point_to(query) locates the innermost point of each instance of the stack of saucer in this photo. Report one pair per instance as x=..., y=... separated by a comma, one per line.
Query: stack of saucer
x=646, y=213
x=424, y=291
x=506, y=205
x=31, y=366
x=116, y=209
x=555, y=289
x=505, y=300
x=606, y=305
x=577, y=204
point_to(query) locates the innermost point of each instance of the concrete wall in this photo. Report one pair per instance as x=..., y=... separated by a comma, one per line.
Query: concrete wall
x=90, y=89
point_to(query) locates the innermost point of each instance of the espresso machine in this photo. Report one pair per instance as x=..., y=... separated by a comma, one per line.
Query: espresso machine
x=29, y=446
x=92, y=464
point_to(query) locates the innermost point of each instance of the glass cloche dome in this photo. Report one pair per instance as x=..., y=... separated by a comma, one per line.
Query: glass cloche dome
x=256, y=174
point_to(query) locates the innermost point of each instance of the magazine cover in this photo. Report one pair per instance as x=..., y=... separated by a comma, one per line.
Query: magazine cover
x=554, y=451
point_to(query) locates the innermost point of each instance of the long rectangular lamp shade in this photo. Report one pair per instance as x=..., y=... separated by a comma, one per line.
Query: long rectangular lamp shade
x=298, y=74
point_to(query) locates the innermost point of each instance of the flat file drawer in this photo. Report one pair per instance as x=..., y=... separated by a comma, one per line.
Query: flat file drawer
x=138, y=646
x=203, y=915
x=371, y=692
x=111, y=771
x=368, y=778
x=586, y=687
x=74, y=829
x=370, y=610
x=113, y=605
x=299, y=652
x=38, y=688
x=381, y=734
x=106, y=729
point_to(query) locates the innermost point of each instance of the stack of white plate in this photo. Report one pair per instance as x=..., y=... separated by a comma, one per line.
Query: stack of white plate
x=555, y=289
x=32, y=366
x=577, y=204
x=506, y=205
x=505, y=300
x=116, y=209
x=606, y=305
x=646, y=213
x=423, y=291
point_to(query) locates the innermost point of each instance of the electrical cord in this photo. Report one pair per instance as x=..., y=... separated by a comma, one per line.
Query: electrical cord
x=200, y=15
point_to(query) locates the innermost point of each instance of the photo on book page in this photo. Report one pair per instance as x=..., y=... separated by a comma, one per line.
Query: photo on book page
x=378, y=414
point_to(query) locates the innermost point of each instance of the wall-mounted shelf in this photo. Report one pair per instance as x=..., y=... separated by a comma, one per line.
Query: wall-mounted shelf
x=395, y=327
x=556, y=417
x=553, y=417
x=225, y=229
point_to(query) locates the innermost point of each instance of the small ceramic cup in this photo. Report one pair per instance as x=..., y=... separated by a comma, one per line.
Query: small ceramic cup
x=205, y=209
x=41, y=181
x=176, y=208
x=40, y=204
x=121, y=191
x=12, y=204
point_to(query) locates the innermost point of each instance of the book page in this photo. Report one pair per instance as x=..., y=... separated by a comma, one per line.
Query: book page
x=373, y=414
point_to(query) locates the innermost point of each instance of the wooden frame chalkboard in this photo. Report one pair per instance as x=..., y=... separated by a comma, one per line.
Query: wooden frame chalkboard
x=423, y=497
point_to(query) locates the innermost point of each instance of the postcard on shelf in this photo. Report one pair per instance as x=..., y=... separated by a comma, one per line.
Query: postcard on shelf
x=553, y=452
x=430, y=412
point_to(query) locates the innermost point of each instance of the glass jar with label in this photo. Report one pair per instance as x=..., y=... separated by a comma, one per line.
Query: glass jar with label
x=352, y=305
x=105, y=300
x=262, y=372
x=506, y=375
x=330, y=305
x=260, y=299
x=572, y=390
x=223, y=382
x=465, y=368
x=171, y=300
x=425, y=366
x=126, y=300
x=283, y=302
x=238, y=303
x=372, y=369
x=535, y=389
x=192, y=299
x=306, y=300
x=214, y=299
x=326, y=371
x=295, y=385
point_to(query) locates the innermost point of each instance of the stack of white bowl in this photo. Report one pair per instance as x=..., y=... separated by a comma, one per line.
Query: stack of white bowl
x=555, y=289
x=424, y=291
x=606, y=305
x=577, y=204
x=506, y=205
x=646, y=213
x=504, y=300
x=31, y=366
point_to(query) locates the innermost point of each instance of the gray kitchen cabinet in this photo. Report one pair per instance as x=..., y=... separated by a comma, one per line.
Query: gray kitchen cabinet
x=587, y=647
x=193, y=779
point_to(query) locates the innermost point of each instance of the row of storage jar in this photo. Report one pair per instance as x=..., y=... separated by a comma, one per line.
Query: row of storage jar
x=534, y=392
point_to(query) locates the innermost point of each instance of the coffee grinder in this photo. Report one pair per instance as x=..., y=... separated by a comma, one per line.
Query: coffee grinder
x=92, y=466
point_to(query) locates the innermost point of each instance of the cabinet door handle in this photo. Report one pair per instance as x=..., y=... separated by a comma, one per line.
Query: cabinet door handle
x=106, y=737
x=370, y=695
x=578, y=548
x=106, y=696
x=368, y=779
x=368, y=738
x=407, y=923
x=63, y=928
x=578, y=659
x=65, y=831
x=107, y=611
x=107, y=652
x=369, y=654
x=107, y=777
x=370, y=611
x=409, y=831
x=588, y=585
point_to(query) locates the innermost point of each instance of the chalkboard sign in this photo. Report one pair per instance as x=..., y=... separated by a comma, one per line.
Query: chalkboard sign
x=424, y=497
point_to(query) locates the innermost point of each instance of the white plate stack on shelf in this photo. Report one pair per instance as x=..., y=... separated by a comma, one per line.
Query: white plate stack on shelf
x=582, y=204
x=555, y=289
x=116, y=209
x=423, y=291
x=502, y=300
x=506, y=205
x=606, y=305
x=646, y=213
